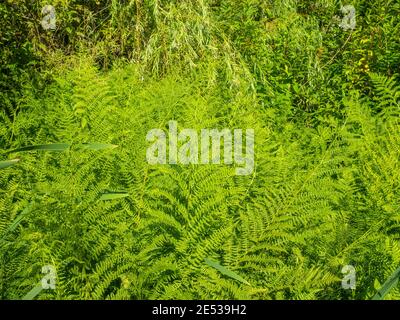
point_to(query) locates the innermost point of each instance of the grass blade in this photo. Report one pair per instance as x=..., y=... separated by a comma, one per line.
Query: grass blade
x=33, y=293
x=226, y=271
x=114, y=195
x=388, y=285
x=8, y=163
x=16, y=221
x=43, y=147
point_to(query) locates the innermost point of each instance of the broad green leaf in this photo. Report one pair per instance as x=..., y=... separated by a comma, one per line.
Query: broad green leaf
x=8, y=163
x=388, y=285
x=114, y=195
x=44, y=147
x=33, y=293
x=226, y=271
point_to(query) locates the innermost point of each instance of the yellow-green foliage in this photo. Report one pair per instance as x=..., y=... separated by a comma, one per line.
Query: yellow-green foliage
x=319, y=198
x=324, y=193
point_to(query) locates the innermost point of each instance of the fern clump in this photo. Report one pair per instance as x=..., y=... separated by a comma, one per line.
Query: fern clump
x=78, y=194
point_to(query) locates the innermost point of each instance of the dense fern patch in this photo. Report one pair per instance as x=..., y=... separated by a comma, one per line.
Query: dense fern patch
x=287, y=229
x=77, y=193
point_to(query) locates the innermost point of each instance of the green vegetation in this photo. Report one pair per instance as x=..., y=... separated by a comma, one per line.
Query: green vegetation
x=77, y=193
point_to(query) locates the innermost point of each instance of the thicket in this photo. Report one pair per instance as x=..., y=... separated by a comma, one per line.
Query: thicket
x=324, y=104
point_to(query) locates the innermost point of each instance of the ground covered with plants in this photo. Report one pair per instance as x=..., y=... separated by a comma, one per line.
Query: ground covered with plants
x=76, y=191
